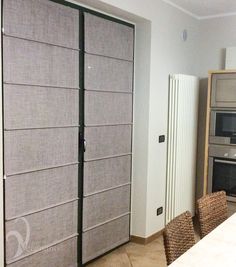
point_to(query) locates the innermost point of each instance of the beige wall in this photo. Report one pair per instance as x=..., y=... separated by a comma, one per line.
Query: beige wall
x=216, y=35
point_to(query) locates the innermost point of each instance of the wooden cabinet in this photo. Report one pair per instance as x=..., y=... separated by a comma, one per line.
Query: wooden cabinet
x=219, y=95
x=223, y=90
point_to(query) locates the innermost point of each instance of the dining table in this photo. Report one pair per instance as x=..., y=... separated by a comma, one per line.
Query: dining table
x=217, y=249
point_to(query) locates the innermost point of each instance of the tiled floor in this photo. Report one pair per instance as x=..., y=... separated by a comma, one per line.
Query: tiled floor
x=135, y=255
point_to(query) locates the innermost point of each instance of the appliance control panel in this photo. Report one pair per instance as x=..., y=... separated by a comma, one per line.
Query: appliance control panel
x=222, y=151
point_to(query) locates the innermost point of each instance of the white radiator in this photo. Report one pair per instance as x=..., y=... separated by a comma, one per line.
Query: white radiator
x=182, y=145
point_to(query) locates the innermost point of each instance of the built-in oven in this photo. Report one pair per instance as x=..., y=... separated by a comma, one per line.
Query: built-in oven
x=223, y=127
x=222, y=170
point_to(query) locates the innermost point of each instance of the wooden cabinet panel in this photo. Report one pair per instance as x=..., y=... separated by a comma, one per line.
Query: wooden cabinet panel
x=223, y=92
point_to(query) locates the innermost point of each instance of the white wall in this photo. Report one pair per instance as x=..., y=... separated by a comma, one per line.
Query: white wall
x=169, y=55
x=140, y=129
x=216, y=35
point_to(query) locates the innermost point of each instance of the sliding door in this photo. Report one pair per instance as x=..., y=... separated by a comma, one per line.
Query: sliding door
x=67, y=76
x=108, y=83
x=41, y=132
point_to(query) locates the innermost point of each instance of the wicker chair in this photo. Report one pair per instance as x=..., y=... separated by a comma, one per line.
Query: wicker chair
x=178, y=236
x=212, y=211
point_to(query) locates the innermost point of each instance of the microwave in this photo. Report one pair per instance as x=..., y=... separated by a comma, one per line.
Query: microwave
x=222, y=127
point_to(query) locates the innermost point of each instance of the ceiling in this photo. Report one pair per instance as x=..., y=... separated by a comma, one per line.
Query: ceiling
x=202, y=9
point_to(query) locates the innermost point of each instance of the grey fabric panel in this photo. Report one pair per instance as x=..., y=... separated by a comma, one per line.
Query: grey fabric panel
x=32, y=63
x=35, y=107
x=61, y=255
x=27, y=150
x=104, y=238
x=42, y=20
x=106, y=173
x=103, y=108
x=37, y=190
x=108, y=74
x=105, y=206
x=104, y=37
x=44, y=228
x=107, y=141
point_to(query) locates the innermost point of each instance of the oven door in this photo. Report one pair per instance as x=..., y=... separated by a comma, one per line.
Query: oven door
x=222, y=176
x=223, y=127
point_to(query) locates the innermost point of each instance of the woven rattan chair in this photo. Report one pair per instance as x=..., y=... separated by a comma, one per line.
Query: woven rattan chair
x=212, y=211
x=178, y=236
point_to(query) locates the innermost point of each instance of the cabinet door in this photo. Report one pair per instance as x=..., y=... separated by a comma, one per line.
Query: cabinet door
x=223, y=90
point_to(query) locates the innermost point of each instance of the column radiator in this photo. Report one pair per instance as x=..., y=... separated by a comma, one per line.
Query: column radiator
x=182, y=144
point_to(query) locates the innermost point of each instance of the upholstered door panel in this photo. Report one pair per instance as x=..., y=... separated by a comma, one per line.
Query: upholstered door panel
x=107, y=108
x=107, y=141
x=31, y=192
x=43, y=21
x=105, y=237
x=34, y=107
x=106, y=206
x=108, y=74
x=108, y=38
x=105, y=174
x=34, y=63
x=44, y=229
x=63, y=254
x=41, y=133
x=30, y=150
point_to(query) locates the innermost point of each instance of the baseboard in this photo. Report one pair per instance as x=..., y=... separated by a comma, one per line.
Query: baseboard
x=145, y=240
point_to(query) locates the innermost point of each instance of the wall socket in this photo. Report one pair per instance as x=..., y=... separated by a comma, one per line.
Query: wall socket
x=162, y=138
x=159, y=211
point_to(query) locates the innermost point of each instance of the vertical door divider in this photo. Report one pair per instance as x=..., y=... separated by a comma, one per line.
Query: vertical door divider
x=81, y=136
x=3, y=165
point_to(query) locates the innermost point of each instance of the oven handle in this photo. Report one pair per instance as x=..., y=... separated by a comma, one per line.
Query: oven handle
x=225, y=161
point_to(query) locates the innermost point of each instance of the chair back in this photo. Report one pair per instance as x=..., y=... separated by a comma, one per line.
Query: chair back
x=178, y=236
x=212, y=211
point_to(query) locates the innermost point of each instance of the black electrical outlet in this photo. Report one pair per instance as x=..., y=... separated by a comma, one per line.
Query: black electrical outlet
x=159, y=211
x=162, y=138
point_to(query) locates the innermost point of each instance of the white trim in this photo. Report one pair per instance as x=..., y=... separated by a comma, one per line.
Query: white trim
x=181, y=9
x=220, y=15
x=78, y=3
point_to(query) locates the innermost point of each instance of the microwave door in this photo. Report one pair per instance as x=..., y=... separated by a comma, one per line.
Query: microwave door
x=225, y=124
x=223, y=127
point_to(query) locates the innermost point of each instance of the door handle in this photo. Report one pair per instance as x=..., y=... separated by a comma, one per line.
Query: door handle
x=84, y=145
x=82, y=142
x=225, y=161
